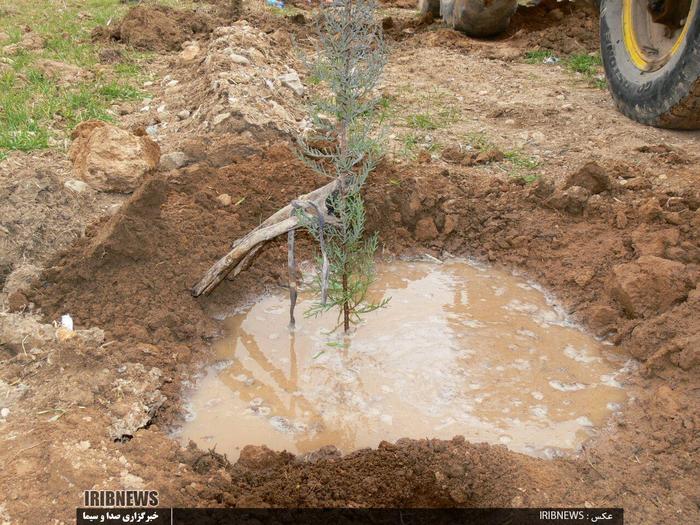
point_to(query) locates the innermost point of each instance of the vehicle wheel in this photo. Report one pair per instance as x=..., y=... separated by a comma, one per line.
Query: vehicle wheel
x=478, y=17
x=429, y=6
x=651, y=54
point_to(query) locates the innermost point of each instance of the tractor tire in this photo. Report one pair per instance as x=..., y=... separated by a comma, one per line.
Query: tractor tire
x=652, y=68
x=478, y=18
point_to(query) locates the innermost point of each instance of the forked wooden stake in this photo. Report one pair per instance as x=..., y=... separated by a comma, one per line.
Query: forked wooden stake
x=243, y=250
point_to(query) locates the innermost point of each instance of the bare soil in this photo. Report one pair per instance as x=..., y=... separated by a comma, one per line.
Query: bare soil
x=95, y=410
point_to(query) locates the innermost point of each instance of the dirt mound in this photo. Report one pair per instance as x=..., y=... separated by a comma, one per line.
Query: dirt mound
x=410, y=473
x=156, y=28
x=243, y=79
x=562, y=27
x=31, y=229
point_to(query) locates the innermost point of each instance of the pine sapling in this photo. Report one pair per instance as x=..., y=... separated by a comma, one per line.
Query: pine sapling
x=350, y=57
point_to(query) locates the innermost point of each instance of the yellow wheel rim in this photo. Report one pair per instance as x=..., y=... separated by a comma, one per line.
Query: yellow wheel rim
x=638, y=28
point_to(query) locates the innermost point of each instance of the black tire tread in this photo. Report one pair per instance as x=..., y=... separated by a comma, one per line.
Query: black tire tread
x=674, y=99
x=685, y=114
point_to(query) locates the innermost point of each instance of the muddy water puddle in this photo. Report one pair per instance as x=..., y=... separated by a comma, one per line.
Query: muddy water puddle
x=460, y=350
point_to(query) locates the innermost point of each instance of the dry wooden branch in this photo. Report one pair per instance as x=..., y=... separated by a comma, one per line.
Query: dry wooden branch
x=243, y=250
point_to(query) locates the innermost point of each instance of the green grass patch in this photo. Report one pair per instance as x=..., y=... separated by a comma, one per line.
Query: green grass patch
x=537, y=56
x=587, y=65
x=479, y=142
x=413, y=142
x=590, y=66
x=521, y=166
x=34, y=109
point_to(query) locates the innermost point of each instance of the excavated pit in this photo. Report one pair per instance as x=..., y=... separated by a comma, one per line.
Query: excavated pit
x=461, y=349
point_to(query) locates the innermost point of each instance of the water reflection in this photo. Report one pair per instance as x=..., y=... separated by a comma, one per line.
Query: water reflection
x=460, y=350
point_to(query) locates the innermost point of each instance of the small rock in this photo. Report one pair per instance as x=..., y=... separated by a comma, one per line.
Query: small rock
x=109, y=158
x=650, y=210
x=637, y=183
x=572, y=200
x=537, y=137
x=173, y=160
x=239, y=59
x=78, y=186
x=649, y=286
x=292, y=81
x=190, y=52
x=23, y=277
x=224, y=199
x=4, y=412
x=492, y=155
x=676, y=204
x=602, y=319
x=426, y=229
x=689, y=354
x=452, y=153
x=17, y=302
x=451, y=222
x=673, y=217
x=184, y=114
x=148, y=83
x=592, y=177
x=172, y=83
x=220, y=118
x=543, y=188
x=654, y=243
x=152, y=130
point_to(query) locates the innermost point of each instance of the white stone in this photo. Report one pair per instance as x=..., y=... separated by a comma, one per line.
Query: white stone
x=4, y=412
x=292, y=81
x=173, y=160
x=220, y=118
x=182, y=115
x=239, y=59
x=78, y=186
x=224, y=199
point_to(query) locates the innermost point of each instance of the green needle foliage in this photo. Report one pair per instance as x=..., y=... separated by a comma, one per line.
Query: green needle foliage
x=344, y=146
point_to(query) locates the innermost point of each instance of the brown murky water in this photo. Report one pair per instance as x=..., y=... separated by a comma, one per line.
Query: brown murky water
x=460, y=350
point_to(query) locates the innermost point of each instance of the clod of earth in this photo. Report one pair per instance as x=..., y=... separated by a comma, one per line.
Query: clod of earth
x=156, y=28
x=650, y=285
x=111, y=159
x=592, y=177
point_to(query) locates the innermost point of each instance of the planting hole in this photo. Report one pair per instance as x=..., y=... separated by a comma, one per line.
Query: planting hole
x=461, y=349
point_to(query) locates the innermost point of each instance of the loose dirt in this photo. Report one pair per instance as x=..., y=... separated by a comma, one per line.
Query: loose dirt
x=156, y=28
x=69, y=399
